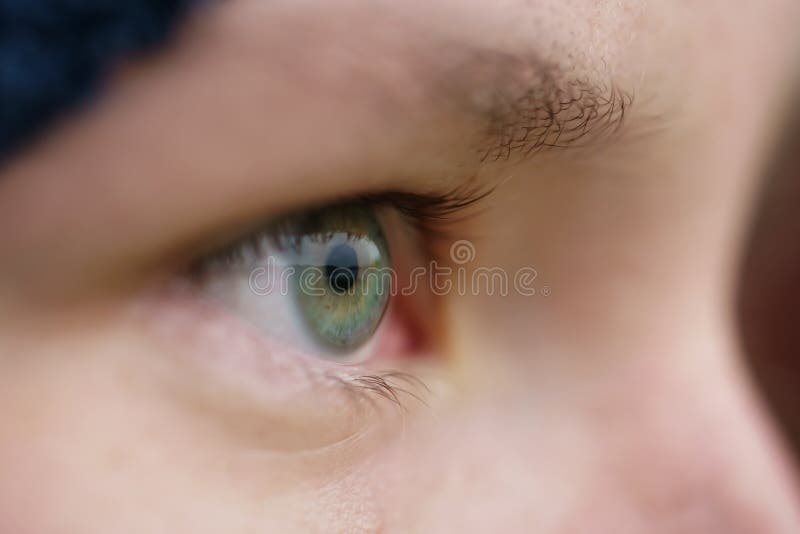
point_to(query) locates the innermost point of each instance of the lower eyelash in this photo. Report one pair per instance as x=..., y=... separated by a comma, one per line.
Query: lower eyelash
x=395, y=386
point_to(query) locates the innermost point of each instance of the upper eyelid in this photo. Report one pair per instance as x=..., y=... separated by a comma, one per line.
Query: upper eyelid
x=423, y=210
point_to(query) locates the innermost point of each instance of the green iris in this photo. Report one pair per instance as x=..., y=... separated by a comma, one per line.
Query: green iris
x=341, y=281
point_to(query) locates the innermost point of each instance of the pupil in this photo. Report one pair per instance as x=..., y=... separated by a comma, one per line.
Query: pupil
x=341, y=268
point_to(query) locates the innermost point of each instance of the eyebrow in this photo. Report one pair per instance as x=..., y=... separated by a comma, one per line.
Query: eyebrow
x=553, y=110
x=527, y=104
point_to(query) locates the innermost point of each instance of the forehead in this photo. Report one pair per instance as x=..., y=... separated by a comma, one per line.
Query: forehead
x=512, y=65
x=578, y=32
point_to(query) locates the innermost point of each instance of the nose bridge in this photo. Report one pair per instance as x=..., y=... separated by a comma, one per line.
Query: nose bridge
x=649, y=447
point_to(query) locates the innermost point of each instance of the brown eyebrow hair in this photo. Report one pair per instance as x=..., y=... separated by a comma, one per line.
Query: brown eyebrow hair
x=553, y=114
x=531, y=104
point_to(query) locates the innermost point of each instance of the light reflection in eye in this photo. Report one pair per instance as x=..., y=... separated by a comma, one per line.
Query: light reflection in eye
x=340, y=302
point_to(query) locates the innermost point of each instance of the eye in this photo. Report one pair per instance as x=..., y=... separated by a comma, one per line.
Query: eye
x=332, y=282
x=319, y=281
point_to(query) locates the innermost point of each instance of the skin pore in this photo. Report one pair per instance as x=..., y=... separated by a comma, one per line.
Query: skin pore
x=623, y=143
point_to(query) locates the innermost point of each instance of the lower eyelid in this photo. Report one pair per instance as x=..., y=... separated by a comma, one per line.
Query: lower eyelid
x=209, y=334
x=235, y=384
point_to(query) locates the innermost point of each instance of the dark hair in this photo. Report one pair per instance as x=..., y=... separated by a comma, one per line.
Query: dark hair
x=55, y=53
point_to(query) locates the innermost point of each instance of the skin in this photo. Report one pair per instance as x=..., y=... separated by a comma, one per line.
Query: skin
x=617, y=403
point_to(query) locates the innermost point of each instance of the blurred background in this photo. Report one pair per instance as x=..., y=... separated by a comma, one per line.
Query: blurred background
x=769, y=299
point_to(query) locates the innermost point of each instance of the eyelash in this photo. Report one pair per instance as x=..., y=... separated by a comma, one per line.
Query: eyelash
x=430, y=214
x=385, y=385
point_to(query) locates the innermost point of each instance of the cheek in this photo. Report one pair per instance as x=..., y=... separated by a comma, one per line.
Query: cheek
x=156, y=418
x=654, y=448
x=126, y=429
x=88, y=447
